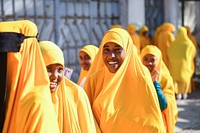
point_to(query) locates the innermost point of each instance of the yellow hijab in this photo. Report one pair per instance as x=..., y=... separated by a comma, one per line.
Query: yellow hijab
x=143, y=39
x=181, y=55
x=166, y=37
x=124, y=101
x=29, y=106
x=70, y=101
x=171, y=112
x=91, y=50
x=131, y=28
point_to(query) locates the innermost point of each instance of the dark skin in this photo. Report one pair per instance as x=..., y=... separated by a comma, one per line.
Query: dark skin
x=55, y=73
x=113, y=56
x=84, y=60
x=150, y=61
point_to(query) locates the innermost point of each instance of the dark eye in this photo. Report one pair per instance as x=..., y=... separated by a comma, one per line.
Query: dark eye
x=60, y=69
x=106, y=50
x=48, y=69
x=118, y=50
x=87, y=57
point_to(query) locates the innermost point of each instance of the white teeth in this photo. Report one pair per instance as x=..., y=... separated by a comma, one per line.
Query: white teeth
x=53, y=83
x=111, y=63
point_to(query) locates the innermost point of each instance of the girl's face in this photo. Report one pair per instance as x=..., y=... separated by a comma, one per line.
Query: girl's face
x=149, y=61
x=55, y=73
x=85, y=60
x=113, y=56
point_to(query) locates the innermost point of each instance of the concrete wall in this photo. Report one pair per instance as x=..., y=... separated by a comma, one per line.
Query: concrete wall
x=171, y=11
x=132, y=11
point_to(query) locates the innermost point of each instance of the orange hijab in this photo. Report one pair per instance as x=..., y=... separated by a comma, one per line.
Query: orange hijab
x=165, y=38
x=29, y=106
x=131, y=28
x=70, y=102
x=143, y=39
x=91, y=50
x=124, y=101
x=171, y=112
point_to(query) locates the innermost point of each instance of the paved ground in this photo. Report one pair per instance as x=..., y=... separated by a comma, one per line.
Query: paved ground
x=189, y=114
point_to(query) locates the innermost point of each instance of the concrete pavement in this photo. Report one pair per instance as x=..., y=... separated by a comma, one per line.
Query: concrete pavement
x=189, y=113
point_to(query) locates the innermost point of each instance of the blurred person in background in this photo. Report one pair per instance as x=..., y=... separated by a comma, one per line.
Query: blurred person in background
x=181, y=54
x=86, y=57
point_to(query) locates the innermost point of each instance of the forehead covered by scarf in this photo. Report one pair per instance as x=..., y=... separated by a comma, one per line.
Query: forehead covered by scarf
x=118, y=36
x=91, y=50
x=51, y=53
x=150, y=49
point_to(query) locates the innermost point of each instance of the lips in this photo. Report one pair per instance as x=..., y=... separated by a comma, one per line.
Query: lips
x=53, y=86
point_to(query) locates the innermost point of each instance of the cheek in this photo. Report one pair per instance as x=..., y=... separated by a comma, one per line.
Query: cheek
x=89, y=62
x=49, y=74
x=60, y=77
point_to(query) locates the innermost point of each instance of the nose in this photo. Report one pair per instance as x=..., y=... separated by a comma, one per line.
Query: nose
x=82, y=61
x=112, y=54
x=149, y=63
x=54, y=76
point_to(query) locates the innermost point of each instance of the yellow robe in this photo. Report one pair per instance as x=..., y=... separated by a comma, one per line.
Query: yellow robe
x=29, y=106
x=181, y=55
x=131, y=28
x=125, y=101
x=91, y=50
x=165, y=38
x=144, y=41
x=170, y=114
x=70, y=101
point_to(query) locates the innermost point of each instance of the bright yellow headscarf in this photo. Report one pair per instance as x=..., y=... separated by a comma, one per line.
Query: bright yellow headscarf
x=29, y=106
x=171, y=112
x=165, y=38
x=131, y=28
x=91, y=50
x=143, y=39
x=124, y=101
x=181, y=55
x=70, y=101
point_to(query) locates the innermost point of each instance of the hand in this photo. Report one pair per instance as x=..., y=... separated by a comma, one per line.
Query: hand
x=155, y=74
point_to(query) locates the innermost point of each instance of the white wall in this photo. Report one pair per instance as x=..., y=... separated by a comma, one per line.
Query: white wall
x=136, y=12
x=171, y=11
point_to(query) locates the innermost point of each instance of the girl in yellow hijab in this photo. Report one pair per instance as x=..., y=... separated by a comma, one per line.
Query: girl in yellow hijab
x=131, y=28
x=151, y=57
x=29, y=107
x=120, y=88
x=70, y=102
x=86, y=57
x=181, y=54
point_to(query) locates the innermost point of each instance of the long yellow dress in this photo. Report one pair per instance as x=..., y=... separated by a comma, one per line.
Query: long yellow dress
x=165, y=38
x=125, y=101
x=70, y=102
x=91, y=50
x=181, y=55
x=29, y=108
x=131, y=28
x=170, y=114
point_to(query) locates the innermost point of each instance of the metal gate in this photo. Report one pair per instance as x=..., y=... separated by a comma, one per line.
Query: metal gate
x=71, y=24
x=154, y=14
